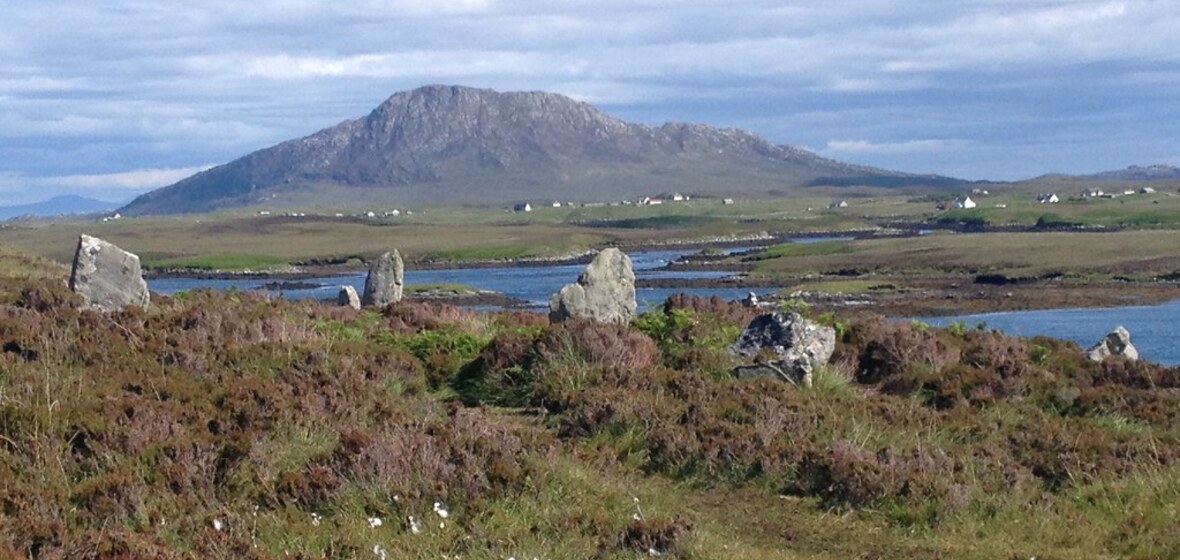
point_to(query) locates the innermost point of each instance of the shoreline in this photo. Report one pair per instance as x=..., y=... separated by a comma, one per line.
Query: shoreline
x=898, y=296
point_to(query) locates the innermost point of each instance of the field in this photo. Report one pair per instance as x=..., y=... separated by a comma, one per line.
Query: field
x=229, y=425
x=1142, y=254
x=226, y=425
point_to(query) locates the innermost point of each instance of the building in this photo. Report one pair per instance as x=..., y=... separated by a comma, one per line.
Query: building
x=523, y=207
x=965, y=203
x=1048, y=198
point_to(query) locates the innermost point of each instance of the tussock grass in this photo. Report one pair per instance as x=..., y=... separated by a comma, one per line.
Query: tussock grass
x=292, y=425
x=1017, y=254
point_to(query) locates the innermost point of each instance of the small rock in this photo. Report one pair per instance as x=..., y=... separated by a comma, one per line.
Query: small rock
x=349, y=297
x=751, y=300
x=1116, y=343
x=798, y=345
x=604, y=292
x=107, y=277
x=383, y=285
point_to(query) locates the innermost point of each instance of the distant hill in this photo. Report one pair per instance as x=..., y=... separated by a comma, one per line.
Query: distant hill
x=458, y=144
x=1132, y=173
x=57, y=206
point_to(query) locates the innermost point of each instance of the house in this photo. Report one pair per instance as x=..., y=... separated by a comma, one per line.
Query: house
x=1146, y=190
x=727, y=201
x=980, y=192
x=965, y=203
x=522, y=207
x=649, y=201
x=677, y=197
x=838, y=204
x=1048, y=198
x=556, y=204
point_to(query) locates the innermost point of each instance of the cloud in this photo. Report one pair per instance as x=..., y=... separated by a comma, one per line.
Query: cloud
x=902, y=147
x=95, y=88
x=108, y=186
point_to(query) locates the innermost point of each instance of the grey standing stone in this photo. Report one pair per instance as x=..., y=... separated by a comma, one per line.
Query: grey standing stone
x=386, y=279
x=796, y=345
x=348, y=296
x=1116, y=343
x=107, y=277
x=604, y=292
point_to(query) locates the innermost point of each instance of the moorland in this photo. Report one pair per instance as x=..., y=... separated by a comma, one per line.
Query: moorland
x=897, y=249
x=234, y=425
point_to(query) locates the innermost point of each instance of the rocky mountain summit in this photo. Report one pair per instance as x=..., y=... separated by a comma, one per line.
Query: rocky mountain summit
x=460, y=144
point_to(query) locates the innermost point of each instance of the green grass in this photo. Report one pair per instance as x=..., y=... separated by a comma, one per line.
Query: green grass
x=785, y=250
x=1136, y=253
x=218, y=262
x=492, y=253
x=445, y=287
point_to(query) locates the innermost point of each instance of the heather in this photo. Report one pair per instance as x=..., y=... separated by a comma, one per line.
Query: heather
x=231, y=425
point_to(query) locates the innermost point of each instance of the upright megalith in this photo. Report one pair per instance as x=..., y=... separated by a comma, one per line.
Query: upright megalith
x=1116, y=343
x=347, y=296
x=604, y=292
x=795, y=346
x=107, y=277
x=386, y=278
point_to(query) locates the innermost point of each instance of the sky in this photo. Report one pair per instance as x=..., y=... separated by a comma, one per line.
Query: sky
x=111, y=99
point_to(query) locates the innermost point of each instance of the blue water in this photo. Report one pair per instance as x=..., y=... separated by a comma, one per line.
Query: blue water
x=1154, y=328
x=533, y=284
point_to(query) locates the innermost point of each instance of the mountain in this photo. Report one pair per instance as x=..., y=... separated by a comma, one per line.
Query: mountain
x=459, y=144
x=57, y=206
x=1132, y=173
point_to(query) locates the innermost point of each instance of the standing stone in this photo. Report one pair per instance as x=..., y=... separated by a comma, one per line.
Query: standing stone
x=604, y=292
x=796, y=344
x=386, y=278
x=348, y=296
x=107, y=277
x=1117, y=343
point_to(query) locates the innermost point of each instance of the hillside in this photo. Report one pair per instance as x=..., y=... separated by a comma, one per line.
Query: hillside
x=458, y=144
x=1156, y=172
x=56, y=206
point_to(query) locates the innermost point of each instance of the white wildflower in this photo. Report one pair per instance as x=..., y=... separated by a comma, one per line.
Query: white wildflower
x=217, y=524
x=440, y=510
x=316, y=519
x=653, y=552
x=380, y=552
x=415, y=527
x=374, y=522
